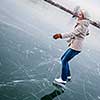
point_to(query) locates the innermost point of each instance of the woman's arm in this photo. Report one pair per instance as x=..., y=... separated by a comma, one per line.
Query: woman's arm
x=63, y=35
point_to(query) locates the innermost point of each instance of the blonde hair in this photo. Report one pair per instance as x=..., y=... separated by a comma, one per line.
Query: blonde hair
x=84, y=13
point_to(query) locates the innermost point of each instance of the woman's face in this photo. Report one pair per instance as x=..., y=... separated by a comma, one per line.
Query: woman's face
x=80, y=15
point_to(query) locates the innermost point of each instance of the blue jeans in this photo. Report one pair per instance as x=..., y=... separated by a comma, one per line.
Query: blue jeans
x=68, y=55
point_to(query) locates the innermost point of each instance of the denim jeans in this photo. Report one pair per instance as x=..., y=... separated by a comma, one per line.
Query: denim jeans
x=67, y=56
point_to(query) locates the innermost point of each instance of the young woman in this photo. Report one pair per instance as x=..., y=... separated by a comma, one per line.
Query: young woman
x=75, y=39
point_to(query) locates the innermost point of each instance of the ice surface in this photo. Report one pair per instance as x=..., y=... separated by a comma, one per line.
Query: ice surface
x=30, y=58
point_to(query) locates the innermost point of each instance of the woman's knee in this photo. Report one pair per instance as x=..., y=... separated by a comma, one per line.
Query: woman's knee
x=64, y=61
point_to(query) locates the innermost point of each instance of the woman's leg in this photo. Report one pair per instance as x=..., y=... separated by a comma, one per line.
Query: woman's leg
x=68, y=55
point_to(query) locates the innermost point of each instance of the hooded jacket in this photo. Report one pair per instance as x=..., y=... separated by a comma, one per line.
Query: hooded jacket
x=76, y=37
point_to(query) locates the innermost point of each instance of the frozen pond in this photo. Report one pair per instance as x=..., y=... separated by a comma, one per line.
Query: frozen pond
x=30, y=58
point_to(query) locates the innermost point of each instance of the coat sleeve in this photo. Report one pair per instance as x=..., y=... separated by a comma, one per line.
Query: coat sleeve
x=67, y=35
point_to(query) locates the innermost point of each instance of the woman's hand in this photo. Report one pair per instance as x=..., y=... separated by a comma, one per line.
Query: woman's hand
x=56, y=36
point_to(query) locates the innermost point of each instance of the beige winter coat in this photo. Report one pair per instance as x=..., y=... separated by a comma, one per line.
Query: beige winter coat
x=77, y=36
